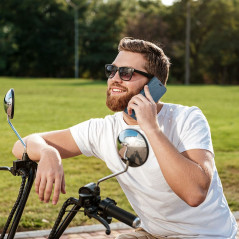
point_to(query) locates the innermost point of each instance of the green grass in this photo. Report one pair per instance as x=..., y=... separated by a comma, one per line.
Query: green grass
x=50, y=104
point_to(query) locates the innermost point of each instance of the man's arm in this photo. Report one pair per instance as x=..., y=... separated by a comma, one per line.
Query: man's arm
x=189, y=173
x=61, y=140
x=48, y=149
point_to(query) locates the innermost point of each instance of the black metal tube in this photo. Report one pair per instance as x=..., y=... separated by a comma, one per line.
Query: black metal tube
x=14, y=208
x=69, y=217
x=27, y=189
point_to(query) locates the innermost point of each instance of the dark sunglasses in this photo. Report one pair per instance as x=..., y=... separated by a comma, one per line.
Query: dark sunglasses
x=125, y=73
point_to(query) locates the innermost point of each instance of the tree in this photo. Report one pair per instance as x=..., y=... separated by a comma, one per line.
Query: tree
x=214, y=40
x=145, y=20
x=37, y=38
x=220, y=50
x=100, y=37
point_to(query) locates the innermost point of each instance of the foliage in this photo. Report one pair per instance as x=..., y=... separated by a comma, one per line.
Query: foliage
x=37, y=37
x=100, y=36
x=214, y=37
x=44, y=105
x=221, y=44
x=145, y=20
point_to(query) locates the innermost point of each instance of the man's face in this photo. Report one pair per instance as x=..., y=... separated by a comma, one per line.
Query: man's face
x=120, y=92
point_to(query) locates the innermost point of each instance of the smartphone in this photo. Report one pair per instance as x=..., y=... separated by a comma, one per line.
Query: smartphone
x=156, y=89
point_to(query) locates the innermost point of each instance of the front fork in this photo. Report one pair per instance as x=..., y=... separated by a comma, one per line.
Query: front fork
x=27, y=170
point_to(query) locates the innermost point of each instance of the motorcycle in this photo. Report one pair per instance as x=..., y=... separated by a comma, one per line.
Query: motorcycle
x=132, y=149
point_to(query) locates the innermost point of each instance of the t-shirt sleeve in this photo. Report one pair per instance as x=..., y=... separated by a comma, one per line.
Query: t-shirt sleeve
x=83, y=137
x=195, y=132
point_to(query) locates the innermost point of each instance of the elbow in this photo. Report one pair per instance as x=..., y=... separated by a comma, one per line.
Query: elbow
x=197, y=199
x=195, y=202
x=18, y=149
x=199, y=193
x=15, y=150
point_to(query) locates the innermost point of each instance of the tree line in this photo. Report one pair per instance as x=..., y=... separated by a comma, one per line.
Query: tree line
x=37, y=37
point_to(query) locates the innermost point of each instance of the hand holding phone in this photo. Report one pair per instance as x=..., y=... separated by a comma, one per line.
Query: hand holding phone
x=156, y=89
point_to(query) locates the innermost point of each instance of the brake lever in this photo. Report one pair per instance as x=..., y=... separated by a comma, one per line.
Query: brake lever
x=87, y=212
x=6, y=168
x=18, y=168
x=10, y=169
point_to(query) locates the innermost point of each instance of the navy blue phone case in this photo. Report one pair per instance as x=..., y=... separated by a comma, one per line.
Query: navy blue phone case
x=156, y=89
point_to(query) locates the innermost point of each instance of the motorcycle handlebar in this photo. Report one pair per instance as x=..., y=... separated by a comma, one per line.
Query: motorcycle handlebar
x=108, y=207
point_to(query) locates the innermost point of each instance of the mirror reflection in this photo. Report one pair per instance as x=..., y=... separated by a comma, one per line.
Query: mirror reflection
x=9, y=103
x=132, y=146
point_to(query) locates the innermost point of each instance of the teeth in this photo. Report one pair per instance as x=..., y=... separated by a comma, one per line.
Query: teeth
x=117, y=90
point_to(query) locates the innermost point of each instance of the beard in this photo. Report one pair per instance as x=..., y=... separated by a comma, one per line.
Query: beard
x=119, y=103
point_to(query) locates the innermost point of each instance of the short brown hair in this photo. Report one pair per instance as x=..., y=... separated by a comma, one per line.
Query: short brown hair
x=157, y=62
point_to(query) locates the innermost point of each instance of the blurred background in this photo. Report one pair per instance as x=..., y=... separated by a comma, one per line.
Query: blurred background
x=64, y=39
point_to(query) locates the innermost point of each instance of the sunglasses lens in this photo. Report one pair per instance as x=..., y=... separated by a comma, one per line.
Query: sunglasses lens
x=125, y=73
x=110, y=71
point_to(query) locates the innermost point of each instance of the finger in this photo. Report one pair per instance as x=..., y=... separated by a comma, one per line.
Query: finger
x=131, y=106
x=37, y=183
x=63, y=185
x=57, y=190
x=42, y=187
x=138, y=99
x=129, y=109
x=135, y=101
x=147, y=93
x=48, y=190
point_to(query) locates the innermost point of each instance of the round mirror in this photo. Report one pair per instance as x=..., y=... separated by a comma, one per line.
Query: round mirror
x=9, y=103
x=132, y=147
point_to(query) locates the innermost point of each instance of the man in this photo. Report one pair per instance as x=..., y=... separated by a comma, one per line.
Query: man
x=177, y=193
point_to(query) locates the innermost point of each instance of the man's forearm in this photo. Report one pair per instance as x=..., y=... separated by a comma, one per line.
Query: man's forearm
x=35, y=144
x=189, y=177
x=60, y=141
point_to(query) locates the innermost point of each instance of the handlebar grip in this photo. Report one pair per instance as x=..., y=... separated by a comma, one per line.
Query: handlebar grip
x=108, y=206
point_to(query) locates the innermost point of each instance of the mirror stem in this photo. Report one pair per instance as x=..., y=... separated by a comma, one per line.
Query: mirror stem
x=114, y=174
x=19, y=137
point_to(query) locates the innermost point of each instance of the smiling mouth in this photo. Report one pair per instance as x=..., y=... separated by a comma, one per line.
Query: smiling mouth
x=117, y=91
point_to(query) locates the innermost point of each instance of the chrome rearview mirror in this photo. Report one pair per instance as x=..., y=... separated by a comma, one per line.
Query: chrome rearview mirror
x=132, y=147
x=133, y=150
x=9, y=102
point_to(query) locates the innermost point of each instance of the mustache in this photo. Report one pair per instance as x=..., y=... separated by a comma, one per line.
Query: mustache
x=119, y=86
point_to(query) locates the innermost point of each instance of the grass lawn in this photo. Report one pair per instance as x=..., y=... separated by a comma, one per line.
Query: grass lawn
x=50, y=104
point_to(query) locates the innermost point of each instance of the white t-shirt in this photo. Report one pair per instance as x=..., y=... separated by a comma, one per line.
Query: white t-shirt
x=161, y=211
